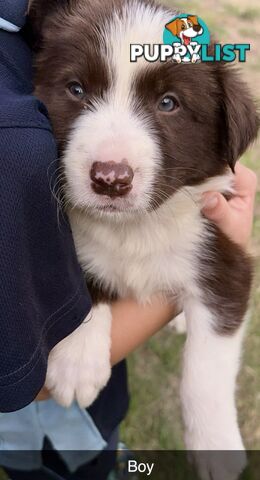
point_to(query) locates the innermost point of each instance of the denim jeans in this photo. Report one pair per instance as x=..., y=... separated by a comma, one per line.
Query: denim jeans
x=55, y=469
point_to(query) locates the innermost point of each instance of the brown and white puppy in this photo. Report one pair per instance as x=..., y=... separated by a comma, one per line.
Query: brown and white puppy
x=185, y=28
x=140, y=144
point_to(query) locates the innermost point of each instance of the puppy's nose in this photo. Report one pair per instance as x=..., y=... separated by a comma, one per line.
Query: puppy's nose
x=111, y=178
x=197, y=28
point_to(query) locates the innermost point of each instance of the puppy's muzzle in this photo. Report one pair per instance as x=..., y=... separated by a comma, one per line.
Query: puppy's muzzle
x=111, y=178
x=197, y=28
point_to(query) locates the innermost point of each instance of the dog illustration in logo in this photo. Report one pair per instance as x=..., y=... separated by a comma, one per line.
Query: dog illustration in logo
x=185, y=28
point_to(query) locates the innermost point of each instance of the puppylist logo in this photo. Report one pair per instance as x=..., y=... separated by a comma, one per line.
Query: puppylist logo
x=186, y=39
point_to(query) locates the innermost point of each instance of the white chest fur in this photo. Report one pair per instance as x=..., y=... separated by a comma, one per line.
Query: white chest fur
x=146, y=255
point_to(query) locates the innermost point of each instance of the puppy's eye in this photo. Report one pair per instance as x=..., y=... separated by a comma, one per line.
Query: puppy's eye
x=76, y=90
x=168, y=104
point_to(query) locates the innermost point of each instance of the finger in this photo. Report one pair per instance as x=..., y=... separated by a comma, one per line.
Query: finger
x=216, y=208
x=245, y=180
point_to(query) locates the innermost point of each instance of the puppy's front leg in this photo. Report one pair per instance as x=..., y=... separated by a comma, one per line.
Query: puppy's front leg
x=211, y=363
x=79, y=366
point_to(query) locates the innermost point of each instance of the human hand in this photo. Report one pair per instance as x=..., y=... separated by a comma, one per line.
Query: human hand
x=234, y=216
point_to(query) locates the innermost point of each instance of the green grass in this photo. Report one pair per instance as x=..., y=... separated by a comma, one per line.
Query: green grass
x=244, y=13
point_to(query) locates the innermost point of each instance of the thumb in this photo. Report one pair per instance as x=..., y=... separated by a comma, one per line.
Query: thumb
x=216, y=208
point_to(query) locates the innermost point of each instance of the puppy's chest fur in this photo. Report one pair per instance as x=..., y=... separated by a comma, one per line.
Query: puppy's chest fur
x=156, y=253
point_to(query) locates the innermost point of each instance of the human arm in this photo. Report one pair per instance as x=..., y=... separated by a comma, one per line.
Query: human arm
x=134, y=324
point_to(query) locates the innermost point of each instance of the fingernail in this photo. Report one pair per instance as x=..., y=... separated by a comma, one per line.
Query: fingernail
x=210, y=202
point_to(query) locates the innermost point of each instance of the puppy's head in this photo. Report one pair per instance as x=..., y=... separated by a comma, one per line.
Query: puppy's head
x=185, y=28
x=133, y=134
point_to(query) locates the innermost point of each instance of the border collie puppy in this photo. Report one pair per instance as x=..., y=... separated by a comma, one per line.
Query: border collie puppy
x=140, y=144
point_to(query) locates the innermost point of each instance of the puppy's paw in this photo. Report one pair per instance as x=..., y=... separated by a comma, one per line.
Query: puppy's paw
x=79, y=366
x=221, y=458
x=95, y=368
x=219, y=465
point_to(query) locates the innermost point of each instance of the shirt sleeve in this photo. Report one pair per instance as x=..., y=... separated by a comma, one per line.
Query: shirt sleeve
x=43, y=296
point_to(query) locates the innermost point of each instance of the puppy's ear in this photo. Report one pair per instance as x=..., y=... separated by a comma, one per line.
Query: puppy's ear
x=193, y=19
x=173, y=26
x=241, y=121
x=39, y=10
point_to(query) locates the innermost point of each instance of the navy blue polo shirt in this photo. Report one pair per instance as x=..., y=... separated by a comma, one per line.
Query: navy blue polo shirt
x=43, y=296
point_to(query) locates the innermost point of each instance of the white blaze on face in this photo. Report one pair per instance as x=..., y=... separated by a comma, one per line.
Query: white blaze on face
x=113, y=130
x=142, y=24
x=189, y=32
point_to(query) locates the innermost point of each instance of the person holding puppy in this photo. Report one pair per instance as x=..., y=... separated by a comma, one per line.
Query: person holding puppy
x=43, y=293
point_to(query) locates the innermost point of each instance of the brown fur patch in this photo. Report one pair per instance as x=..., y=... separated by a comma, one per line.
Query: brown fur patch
x=225, y=277
x=214, y=124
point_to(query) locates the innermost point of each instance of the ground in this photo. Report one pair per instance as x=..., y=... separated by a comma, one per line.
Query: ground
x=154, y=421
